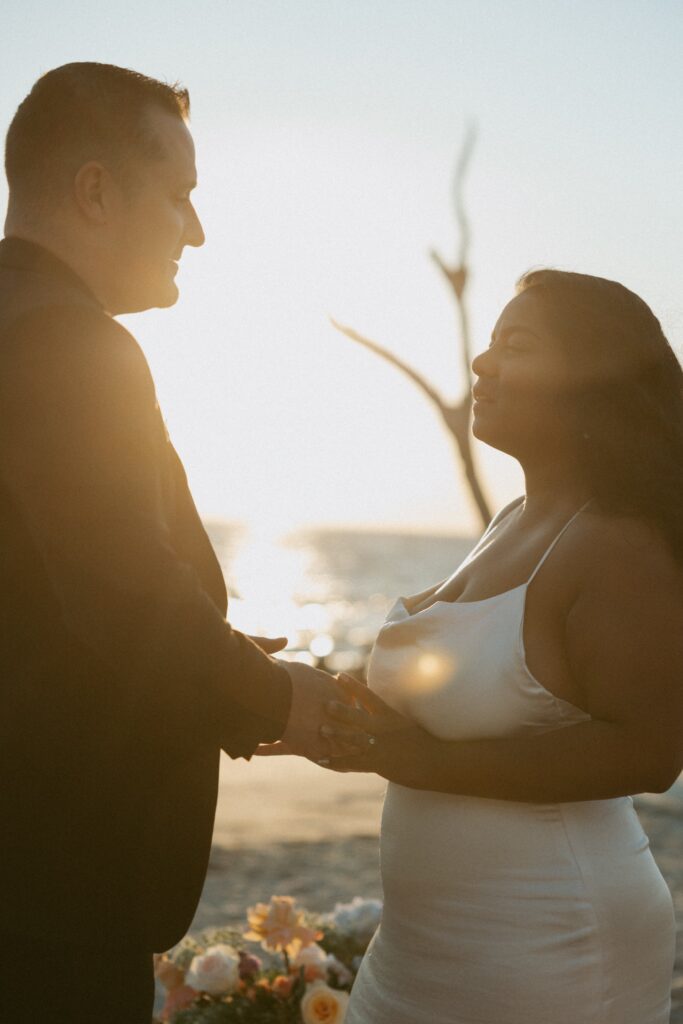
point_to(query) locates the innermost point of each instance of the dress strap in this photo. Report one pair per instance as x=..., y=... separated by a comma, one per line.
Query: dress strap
x=554, y=542
x=504, y=512
x=497, y=519
x=500, y=516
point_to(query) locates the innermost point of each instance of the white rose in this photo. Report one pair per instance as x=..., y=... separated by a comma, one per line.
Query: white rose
x=323, y=1005
x=216, y=971
x=313, y=959
x=358, y=919
x=338, y=970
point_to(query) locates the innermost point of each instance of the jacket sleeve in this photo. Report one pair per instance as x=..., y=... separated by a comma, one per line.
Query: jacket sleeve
x=82, y=444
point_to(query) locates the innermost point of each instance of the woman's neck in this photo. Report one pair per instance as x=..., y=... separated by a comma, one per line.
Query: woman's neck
x=552, y=486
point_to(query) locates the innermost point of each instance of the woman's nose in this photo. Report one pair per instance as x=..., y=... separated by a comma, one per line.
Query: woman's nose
x=484, y=365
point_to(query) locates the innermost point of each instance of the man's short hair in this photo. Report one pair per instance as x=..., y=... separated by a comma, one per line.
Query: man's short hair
x=80, y=112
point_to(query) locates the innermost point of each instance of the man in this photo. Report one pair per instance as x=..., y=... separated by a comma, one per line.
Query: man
x=121, y=679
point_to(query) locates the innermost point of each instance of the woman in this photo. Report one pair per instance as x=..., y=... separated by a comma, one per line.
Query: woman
x=515, y=706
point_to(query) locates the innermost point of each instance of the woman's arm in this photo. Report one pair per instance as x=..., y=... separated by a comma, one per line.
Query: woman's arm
x=624, y=641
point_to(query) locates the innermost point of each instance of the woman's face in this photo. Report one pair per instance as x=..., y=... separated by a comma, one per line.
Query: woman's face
x=523, y=379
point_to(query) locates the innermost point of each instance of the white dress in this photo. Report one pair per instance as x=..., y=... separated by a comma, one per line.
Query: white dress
x=498, y=912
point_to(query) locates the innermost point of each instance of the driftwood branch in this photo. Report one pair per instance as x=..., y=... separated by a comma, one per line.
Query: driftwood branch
x=457, y=416
x=457, y=275
x=395, y=361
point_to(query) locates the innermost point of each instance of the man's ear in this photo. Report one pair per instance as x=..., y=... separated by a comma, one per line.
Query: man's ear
x=94, y=192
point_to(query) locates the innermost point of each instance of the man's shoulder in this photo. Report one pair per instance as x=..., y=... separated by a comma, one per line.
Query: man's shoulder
x=45, y=322
x=23, y=290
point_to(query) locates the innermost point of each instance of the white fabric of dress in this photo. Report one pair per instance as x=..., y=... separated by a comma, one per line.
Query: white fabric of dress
x=499, y=912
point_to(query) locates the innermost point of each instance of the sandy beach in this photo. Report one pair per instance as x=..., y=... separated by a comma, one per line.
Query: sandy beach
x=288, y=827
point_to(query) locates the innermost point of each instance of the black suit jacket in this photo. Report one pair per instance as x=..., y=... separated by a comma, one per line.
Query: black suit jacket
x=120, y=679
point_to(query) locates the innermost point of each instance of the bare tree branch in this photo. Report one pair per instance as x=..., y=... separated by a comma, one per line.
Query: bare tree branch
x=457, y=416
x=391, y=358
x=459, y=191
x=458, y=275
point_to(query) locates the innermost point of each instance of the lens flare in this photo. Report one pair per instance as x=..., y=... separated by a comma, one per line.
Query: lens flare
x=427, y=672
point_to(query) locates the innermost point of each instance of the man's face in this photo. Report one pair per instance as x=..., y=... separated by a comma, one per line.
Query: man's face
x=155, y=220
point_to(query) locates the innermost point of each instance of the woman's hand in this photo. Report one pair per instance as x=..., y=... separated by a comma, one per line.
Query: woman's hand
x=386, y=742
x=367, y=735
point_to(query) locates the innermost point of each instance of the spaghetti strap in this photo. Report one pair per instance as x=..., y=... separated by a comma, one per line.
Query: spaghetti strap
x=496, y=521
x=500, y=516
x=554, y=542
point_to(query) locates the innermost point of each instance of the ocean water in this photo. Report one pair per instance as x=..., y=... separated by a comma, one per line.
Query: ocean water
x=327, y=590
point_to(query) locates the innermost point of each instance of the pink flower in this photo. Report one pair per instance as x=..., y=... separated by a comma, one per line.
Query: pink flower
x=178, y=999
x=169, y=974
x=249, y=965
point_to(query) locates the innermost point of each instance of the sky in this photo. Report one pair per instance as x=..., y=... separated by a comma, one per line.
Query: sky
x=326, y=135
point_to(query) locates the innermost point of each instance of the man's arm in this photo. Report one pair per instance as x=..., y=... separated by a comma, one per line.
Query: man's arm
x=80, y=442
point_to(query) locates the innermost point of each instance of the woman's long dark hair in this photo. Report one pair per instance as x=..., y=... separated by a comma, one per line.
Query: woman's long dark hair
x=627, y=405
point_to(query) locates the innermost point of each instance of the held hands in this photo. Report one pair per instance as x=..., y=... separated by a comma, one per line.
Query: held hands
x=385, y=741
x=356, y=730
x=312, y=691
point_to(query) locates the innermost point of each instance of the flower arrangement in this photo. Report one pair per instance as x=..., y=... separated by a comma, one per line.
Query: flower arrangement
x=304, y=976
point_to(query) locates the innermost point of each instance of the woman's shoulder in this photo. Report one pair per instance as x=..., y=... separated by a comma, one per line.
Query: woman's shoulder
x=620, y=547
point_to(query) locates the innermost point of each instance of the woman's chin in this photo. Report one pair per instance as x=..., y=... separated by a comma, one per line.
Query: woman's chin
x=487, y=434
x=480, y=430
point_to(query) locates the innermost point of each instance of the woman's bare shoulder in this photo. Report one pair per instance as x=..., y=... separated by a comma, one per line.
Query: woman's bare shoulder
x=618, y=548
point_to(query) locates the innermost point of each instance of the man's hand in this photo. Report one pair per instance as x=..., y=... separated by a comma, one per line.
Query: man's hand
x=312, y=690
x=270, y=645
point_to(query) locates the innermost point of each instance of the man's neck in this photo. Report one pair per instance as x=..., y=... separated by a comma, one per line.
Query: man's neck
x=59, y=244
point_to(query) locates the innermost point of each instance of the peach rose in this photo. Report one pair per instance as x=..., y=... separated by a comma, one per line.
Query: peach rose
x=323, y=1005
x=278, y=925
x=282, y=985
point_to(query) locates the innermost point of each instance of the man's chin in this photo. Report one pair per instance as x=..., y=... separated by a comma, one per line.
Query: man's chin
x=160, y=297
x=169, y=296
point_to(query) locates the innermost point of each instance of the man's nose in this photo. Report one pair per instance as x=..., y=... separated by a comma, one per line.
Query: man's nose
x=194, y=232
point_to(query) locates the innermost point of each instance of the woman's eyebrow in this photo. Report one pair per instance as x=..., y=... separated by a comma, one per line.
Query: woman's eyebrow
x=514, y=327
